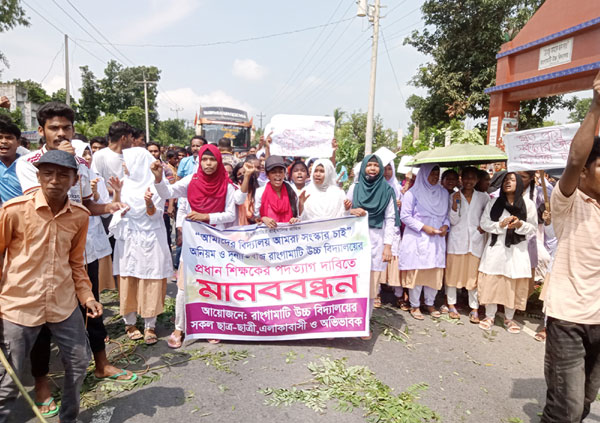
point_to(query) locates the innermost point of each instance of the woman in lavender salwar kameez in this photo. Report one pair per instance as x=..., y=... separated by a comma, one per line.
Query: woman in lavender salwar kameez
x=422, y=256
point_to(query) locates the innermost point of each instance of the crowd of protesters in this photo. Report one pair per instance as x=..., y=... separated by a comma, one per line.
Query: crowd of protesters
x=79, y=215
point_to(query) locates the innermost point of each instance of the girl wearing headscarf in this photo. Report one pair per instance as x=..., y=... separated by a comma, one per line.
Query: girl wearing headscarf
x=142, y=258
x=423, y=251
x=505, y=267
x=212, y=199
x=465, y=243
x=392, y=276
x=324, y=199
x=372, y=194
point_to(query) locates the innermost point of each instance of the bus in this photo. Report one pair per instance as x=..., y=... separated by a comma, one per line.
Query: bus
x=214, y=123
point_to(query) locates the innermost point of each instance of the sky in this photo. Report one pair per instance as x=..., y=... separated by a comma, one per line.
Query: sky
x=306, y=57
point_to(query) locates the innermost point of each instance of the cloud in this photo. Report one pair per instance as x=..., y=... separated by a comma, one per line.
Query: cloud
x=190, y=101
x=53, y=84
x=248, y=69
x=161, y=16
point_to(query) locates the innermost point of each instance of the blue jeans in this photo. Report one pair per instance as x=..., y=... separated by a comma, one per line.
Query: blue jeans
x=572, y=370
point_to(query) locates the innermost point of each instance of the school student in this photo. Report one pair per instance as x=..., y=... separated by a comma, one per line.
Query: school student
x=276, y=201
x=423, y=251
x=466, y=241
x=324, y=199
x=505, y=267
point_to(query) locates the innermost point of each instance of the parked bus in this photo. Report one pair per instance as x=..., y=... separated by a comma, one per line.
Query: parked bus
x=214, y=123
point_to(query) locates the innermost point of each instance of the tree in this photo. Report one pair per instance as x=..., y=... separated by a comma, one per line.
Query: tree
x=100, y=128
x=35, y=92
x=91, y=100
x=11, y=16
x=16, y=116
x=580, y=109
x=173, y=131
x=135, y=116
x=463, y=37
x=351, y=138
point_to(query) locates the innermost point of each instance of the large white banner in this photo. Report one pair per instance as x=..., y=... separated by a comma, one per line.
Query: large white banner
x=539, y=149
x=307, y=280
x=301, y=135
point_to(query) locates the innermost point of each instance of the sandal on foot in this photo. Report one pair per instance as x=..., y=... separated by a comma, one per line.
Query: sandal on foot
x=486, y=324
x=377, y=302
x=453, y=313
x=433, y=312
x=416, y=313
x=116, y=376
x=175, y=341
x=133, y=333
x=214, y=341
x=512, y=327
x=150, y=337
x=474, y=316
x=404, y=306
x=444, y=309
x=50, y=412
x=540, y=336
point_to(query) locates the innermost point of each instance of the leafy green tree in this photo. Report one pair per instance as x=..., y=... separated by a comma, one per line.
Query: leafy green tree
x=580, y=109
x=351, y=138
x=173, y=131
x=463, y=37
x=11, y=16
x=16, y=116
x=100, y=128
x=135, y=116
x=35, y=92
x=91, y=100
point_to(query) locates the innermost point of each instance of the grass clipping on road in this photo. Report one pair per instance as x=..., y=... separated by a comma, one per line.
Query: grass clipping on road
x=354, y=387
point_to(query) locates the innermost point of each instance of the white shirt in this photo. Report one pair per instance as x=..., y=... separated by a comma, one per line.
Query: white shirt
x=464, y=237
x=179, y=189
x=27, y=174
x=107, y=163
x=512, y=262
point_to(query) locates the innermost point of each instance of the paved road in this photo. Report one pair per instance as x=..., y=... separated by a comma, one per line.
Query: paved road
x=472, y=376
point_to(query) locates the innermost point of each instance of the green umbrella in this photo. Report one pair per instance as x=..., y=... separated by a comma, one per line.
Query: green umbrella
x=460, y=155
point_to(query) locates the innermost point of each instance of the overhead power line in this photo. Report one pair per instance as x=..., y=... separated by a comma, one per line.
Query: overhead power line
x=216, y=43
x=52, y=64
x=392, y=66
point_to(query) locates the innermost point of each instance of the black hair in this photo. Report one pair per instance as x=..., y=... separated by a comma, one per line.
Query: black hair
x=170, y=154
x=448, y=172
x=518, y=209
x=138, y=133
x=224, y=143
x=154, y=144
x=182, y=150
x=119, y=129
x=81, y=137
x=99, y=140
x=24, y=142
x=236, y=169
x=188, y=151
x=251, y=157
x=531, y=174
x=199, y=137
x=470, y=169
x=7, y=126
x=207, y=152
x=54, y=109
x=594, y=154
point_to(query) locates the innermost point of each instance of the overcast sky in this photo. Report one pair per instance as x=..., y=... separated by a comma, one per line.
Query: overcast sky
x=306, y=71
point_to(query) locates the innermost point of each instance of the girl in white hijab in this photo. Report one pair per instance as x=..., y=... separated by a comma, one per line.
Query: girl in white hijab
x=142, y=259
x=324, y=199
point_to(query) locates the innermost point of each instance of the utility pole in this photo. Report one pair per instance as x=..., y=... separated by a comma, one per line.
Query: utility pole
x=260, y=117
x=146, y=104
x=373, y=13
x=67, y=82
x=177, y=110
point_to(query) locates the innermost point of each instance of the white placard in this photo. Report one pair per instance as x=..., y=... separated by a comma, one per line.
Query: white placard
x=539, y=149
x=301, y=135
x=493, y=130
x=556, y=54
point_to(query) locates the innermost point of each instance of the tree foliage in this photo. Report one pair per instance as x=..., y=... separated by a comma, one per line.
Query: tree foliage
x=350, y=137
x=91, y=100
x=463, y=37
x=580, y=109
x=35, y=92
x=11, y=16
x=173, y=131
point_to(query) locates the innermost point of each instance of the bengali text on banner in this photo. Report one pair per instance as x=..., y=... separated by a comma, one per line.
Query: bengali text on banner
x=302, y=281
